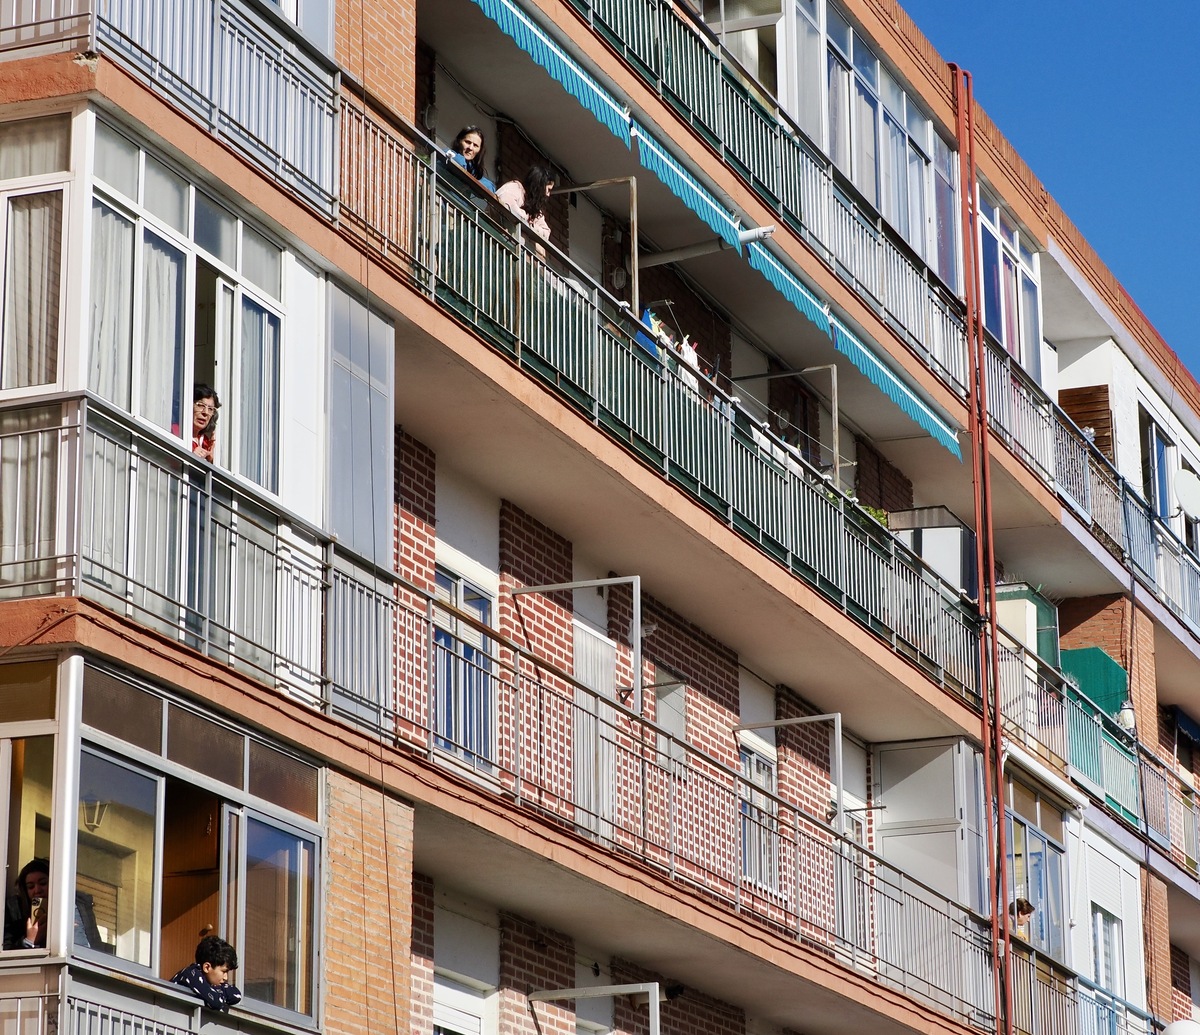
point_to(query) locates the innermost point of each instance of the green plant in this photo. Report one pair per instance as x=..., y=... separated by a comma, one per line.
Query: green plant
x=878, y=513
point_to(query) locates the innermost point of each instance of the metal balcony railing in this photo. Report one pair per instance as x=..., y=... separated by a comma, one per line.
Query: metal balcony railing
x=565, y=331
x=1050, y=1000
x=28, y=1014
x=241, y=73
x=99, y=507
x=690, y=70
x=471, y=700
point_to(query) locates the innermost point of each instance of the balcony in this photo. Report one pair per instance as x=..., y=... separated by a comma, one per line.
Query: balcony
x=243, y=75
x=683, y=62
x=1048, y=998
x=568, y=334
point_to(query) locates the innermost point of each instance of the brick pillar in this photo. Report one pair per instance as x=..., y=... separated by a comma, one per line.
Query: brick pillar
x=1157, y=937
x=1181, y=986
x=533, y=555
x=367, y=958
x=415, y=510
x=1126, y=634
x=533, y=958
x=879, y=483
x=377, y=44
x=422, y=955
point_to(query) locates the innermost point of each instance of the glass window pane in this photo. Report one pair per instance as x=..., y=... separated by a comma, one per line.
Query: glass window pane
x=256, y=402
x=161, y=377
x=166, y=194
x=991, y=283
x=207, y=747
x=283, y=780
x=893, y=96
x=839, y=113
x=34, y=147
x=32, y=274
x=117, y=161
x=261, y=261
x=838, y=30
x=27, y=690
x=866, y=156
x=116, y=707
x=115, y=868
x=216, y=230
x=29, y=778
x=112, y=305
x=865, y=63
x=277, y=961
x=809, y=48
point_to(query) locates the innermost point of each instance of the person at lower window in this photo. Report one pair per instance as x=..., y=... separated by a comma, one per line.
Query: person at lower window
x=208, y=977
x=1022, y=911
x=26, y=916
x=205, y=404
x=25, y=910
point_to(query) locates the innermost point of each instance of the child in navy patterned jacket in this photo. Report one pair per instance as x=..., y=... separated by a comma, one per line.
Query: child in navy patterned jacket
x=208, y=977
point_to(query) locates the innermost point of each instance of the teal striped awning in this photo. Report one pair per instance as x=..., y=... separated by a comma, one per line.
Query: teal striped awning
x=531, y=39
x=787, y=285
x=895, y=389
x=685, y=187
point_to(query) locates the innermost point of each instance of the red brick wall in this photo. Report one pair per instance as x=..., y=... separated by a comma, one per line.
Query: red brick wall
x=415, y=557
x=531, y=958
x=422, y=954
x=707, y=666
x=376, y=43
x=692, y=1013
x=1126, y=634
x=415, y=509
x=533, y=555
x=1157, y=935
x=879, y=483
x=515, y=153
x=367, y=958
x=803, y=756
x=1181, y=986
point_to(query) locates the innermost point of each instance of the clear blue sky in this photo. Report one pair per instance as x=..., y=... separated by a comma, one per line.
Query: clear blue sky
x=1102, y=100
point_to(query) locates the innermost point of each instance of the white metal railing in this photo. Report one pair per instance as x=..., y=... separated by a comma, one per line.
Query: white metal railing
x=41, y=26
x=28, y=1014
x=243, y=74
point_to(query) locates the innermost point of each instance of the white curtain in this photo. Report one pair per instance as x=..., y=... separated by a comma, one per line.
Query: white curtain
x=34, y=147
x=161, y=380
x=32, y=275
x=28, y=491
x=256, y=415
x=111, y=305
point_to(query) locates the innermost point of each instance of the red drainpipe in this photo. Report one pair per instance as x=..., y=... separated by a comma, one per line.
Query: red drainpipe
x=991, y=732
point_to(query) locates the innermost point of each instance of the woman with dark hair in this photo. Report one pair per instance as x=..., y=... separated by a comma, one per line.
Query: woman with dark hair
x=527, y=198
x=205, y=404
x=25, y=911
x=468, y=151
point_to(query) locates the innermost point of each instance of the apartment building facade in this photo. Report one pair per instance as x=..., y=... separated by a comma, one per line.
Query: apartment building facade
x=719, y=616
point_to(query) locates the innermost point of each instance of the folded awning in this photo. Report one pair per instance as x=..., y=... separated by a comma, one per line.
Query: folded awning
x=685, y=187
x=788, y=285
x=531, y=39
x=887, y=382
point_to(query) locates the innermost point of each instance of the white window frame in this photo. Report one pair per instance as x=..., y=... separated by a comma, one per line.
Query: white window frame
x=235, y=292
x=758, y=815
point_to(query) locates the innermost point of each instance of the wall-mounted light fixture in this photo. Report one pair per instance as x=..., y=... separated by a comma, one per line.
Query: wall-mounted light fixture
x=92, y=812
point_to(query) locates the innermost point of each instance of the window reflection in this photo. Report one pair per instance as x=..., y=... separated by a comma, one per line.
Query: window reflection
x=115, y=866
x=277, y=963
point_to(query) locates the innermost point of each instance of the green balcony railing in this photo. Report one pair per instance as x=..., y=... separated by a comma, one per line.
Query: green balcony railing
x=564, y=330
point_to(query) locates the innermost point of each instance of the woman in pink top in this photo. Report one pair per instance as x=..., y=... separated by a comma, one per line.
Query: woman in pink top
x=204, y=421
x=527, y=198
